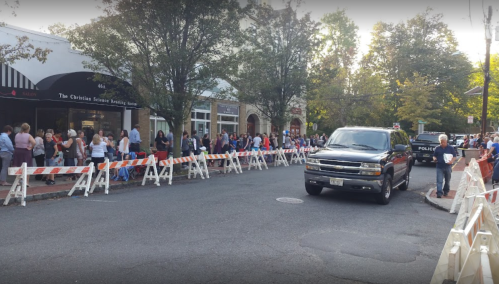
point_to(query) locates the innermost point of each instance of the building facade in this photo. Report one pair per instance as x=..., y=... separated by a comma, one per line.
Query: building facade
x=58, y=94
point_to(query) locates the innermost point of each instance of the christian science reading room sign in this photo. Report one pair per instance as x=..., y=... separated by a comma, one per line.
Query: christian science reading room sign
x=79, y=87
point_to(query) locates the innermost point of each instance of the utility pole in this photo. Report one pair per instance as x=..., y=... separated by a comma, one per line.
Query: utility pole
x=486, y=68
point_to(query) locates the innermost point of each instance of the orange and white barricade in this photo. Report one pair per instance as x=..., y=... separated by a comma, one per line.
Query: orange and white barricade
x=254, y=160
x=217, y=157
x=194, y=167
x=229, y=164
x=167, y=171
x=236, y=162
x=102, y=179
x=462, y=243
x=203, y=165
x=18, y=188
x=280, y=158
x=298, y=156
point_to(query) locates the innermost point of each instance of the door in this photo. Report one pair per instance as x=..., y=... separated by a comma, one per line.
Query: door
x=251, y=126
x=295, y=127
x=397, y=158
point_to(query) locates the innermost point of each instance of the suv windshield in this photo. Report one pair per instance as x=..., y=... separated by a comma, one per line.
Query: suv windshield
x=356, y=138
x=433, y=138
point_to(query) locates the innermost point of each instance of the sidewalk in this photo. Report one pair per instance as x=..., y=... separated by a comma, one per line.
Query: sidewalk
x=38, y=190
x=445, y=202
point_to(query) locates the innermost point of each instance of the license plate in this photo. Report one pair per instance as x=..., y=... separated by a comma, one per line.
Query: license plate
x=336, y=181
x=426, y=155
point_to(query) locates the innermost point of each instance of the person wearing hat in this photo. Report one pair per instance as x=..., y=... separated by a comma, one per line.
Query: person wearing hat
x=134, y=137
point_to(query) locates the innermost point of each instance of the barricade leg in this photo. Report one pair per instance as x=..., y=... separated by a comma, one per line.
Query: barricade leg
x=151, y=163
x=18, y=188
x=81, y=183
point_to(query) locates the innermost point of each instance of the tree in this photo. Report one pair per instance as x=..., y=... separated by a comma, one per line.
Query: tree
x=22, y=49
x=423, y=45
x=416, y=99
x=170, y=50
x=270, y=69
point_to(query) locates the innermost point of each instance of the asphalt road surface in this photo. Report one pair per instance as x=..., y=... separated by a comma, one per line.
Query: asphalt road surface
x=228, y=229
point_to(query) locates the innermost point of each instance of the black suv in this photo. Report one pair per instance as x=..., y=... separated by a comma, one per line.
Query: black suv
x=361, y=159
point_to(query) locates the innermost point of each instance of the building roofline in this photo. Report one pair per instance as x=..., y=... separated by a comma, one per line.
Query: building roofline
x=54, y=37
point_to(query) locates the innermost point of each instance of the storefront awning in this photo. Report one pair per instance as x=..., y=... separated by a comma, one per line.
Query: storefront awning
x=79, y=87
x=15, y=85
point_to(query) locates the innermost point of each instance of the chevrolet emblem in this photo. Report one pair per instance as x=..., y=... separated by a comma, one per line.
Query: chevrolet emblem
x=338, y=167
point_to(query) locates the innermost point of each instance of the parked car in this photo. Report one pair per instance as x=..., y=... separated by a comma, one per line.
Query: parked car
x=361, y=159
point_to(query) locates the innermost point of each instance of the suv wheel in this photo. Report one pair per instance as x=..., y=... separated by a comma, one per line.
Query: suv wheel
x=383, y=197
x=313, y=189
x=405, y=185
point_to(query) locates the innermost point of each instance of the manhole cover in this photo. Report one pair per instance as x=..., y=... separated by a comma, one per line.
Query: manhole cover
x=289, y=200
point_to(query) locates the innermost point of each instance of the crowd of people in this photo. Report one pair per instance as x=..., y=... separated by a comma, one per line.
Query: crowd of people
x=48, y=147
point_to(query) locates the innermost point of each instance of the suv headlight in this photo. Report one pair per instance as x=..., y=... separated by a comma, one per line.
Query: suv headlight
x=312, y=164
x=370, y=169
x=312, y=161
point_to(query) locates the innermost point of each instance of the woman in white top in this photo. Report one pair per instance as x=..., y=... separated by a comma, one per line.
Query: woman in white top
x=123, y=148
x=98, y=151
x=39, y=151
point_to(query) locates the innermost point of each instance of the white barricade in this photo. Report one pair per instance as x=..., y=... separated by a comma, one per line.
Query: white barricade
x=471, y=177
x=18, y=188
x=102, y=179
x=203, y=165
x=261, y=154
x=481, y=262
x=229, y=164
x=254, y=161
x=460, y=241
x=281, y=158
x=167, y=171
x=298, y=156
x=237, y=163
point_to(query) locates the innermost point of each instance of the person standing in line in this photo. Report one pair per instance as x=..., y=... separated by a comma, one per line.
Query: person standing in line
x=160, y=142
x=444, y=165
x=135, y=139
x=123, y=149
x=225, y=141
x=218, y=148
x=81, y=153
x=198, y=142
x=466, y=145
x=6, y=152
x=110, y=147
x=98, y=149
x=287, y=142
x=185, y=147
x=22, y=152
x=50, y=156
x=256, y=142
x=57, y=137
x=39, y=151
x=70, y=152
x=169, y=137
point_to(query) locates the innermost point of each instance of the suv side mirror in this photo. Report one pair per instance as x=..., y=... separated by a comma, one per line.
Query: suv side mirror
x=400, y=148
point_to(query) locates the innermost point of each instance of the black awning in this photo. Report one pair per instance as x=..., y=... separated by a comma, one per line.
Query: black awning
x=79, y=87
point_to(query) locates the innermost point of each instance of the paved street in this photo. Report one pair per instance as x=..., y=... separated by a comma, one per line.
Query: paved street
x=228, y=229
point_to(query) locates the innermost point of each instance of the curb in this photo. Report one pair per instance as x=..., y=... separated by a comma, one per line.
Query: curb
x=64, y=193
x=429, y=200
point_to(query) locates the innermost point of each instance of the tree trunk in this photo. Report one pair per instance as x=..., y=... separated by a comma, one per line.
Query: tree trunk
x=177, y=149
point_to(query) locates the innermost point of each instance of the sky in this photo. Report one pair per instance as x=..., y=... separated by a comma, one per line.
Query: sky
x=464, y=17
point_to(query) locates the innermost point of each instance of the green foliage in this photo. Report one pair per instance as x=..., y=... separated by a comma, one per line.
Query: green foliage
x=170, y=50
x=270, y=69
x=426, y=46
x=416, y=102
x=23, y=49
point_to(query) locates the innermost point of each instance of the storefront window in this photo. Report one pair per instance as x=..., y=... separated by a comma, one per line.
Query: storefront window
x=91, y=121
x=157, y=124
x=52, y=118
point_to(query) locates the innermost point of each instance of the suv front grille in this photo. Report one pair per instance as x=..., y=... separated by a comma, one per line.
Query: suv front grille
x=341, y=167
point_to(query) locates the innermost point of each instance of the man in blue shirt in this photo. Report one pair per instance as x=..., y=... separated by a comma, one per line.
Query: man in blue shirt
x=6, y=152
x=444, y=169
x=134, y=137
